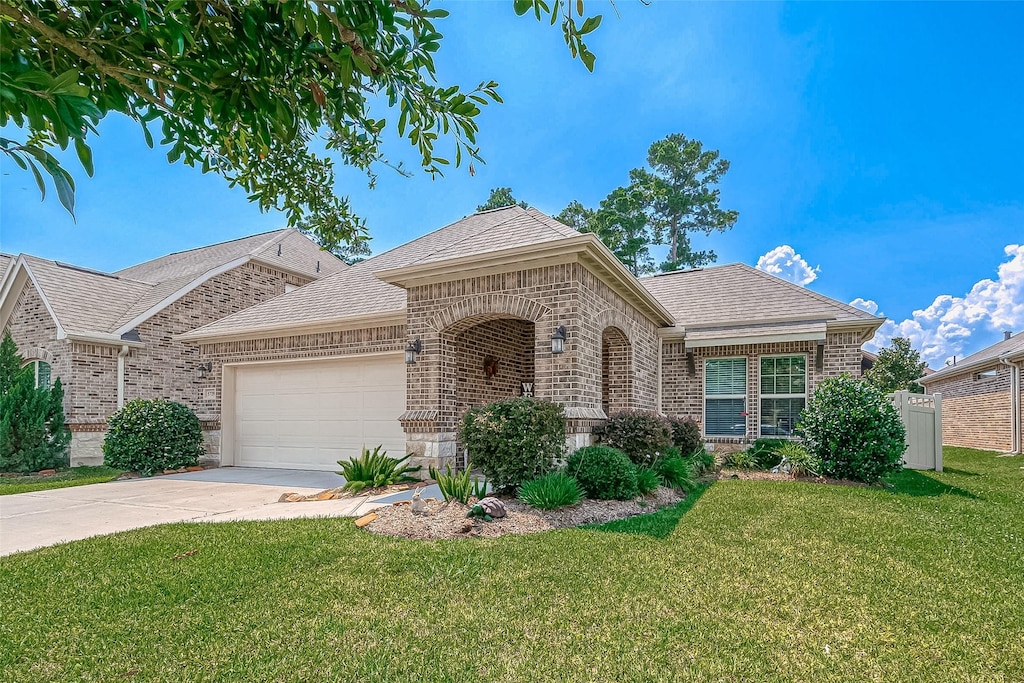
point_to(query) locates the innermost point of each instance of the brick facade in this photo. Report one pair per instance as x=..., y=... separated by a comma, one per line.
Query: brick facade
x=682, y=392
x=976, y=408
x=163, y=368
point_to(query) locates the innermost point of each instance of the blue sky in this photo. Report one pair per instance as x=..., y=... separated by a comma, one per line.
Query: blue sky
x=876, y=151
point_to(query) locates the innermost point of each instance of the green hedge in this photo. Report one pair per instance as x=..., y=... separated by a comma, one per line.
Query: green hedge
x=604, y=473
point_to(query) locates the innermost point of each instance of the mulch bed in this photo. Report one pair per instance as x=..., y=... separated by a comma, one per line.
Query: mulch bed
x=763, y=475
x=448, y=520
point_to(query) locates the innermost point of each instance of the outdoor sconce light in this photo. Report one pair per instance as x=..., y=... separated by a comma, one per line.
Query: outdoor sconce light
x=411, y=349
x=558, y=340
x=205, y=369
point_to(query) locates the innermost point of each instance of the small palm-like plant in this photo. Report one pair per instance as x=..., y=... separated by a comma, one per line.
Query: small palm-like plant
x=373, y=469
x=456, y=485
x=552, y=491
x=798, y=461
x=647, y=480
x=741, y=460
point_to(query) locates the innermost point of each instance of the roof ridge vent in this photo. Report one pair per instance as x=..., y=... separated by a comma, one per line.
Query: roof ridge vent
x=82, y=269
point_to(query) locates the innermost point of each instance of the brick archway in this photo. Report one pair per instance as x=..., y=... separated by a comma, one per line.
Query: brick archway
x=616, y=371
x=468, y=312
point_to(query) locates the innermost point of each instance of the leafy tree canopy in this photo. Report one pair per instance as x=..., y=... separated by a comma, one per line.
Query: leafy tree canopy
x=674, y=196
x=500, y=197
x=247, y=89
x=896, y=368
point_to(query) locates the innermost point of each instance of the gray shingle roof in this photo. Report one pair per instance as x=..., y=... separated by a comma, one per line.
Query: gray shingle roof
x=357, y=292
x=87, y=301
x=738, y=296
x=1012, y=347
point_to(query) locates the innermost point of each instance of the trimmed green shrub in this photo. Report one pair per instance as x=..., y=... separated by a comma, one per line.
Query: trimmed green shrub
x=685, y=434
x=371, y=470
x=640, y=434
x=797, y=460
x=766, y=452
x=675, y=472
x=149, y=436
x=741, y=460
x=647, y=480
x=604, y=473
x=454, y=486
x=854, y=430
x=515, y=440
x=552, y=491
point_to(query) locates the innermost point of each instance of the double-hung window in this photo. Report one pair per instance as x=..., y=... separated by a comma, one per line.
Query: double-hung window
x=41, y=373
x=725, y=396
x=783, y=393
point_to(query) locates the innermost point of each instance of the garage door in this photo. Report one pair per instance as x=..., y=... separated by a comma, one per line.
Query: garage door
x=310, y=415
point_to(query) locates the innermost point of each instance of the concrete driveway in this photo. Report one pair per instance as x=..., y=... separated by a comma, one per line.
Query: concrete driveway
x=33, y=520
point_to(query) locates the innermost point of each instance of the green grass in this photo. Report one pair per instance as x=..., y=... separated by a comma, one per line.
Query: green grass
x=75, y=476
x=749, y=581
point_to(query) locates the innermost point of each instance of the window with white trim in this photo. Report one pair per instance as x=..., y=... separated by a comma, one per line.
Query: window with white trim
x=41, y=373
x=725, y=396
x=783, y=393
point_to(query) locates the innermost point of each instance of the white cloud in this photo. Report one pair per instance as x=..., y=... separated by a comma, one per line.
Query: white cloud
x=866, y=305
x=784, y=262
x=945, y=328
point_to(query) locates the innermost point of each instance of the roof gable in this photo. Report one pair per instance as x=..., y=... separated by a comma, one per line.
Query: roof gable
x=1012, y=348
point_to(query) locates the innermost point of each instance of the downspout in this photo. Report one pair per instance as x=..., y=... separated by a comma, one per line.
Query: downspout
x=1015, y=426
x=661, y=348
x=120, y=375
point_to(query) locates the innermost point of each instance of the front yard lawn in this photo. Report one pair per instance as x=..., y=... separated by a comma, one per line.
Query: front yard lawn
x=74, y=476
x=749, y=581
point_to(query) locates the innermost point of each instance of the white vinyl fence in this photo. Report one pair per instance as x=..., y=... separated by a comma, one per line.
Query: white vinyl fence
x=922, y=418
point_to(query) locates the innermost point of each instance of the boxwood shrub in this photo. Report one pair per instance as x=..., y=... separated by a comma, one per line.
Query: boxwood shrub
x=854, y=430
x=515, y=440
x=604, y=473
x=149, y=436
x=640, y=434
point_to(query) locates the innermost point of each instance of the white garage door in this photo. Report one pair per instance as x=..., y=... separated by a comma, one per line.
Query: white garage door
x=310, y=415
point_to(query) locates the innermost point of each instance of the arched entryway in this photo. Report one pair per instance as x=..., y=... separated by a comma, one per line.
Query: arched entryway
x=616, y=371
x=493, y=359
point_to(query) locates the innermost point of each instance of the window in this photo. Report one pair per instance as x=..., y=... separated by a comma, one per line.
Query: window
x=986, y=374
x=725, y=397
x=41, y=371
x=783, y=393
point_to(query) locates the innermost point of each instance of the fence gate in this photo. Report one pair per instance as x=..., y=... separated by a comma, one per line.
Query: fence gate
x=922, y=418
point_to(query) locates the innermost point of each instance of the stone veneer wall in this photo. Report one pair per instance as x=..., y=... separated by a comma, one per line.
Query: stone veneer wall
x=976, y=410
x=683, y=395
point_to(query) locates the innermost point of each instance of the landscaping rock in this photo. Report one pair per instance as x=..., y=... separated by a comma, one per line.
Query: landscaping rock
x=47, y=472
x=194, y=468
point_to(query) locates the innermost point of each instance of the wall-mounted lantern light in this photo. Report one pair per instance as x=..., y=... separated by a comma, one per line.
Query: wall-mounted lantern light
x=558, y=340
x=411, y=350
x=205, y=369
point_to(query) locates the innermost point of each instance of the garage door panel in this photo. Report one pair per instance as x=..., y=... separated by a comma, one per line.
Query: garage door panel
x=310, y=415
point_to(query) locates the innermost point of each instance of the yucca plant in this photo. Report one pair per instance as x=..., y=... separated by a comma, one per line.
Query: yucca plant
x=455, y=485
x=373, y=469
x=552, y=491
x=741, y=460
x=701, y=461
x=675, y=472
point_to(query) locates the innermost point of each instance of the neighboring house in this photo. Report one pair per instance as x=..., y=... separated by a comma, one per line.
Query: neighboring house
x=110, y=337
x=982, y=397
x=393, y=350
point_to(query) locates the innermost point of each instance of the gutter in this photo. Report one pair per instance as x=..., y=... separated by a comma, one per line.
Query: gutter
x=120, y=375
x=1015, y=421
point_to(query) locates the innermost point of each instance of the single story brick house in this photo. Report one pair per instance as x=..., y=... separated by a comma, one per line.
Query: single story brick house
x=502, y=303
x=982, y=397
x=111, y=337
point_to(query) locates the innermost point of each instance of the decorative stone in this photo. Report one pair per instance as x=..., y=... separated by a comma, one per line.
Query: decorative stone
x=194, y=468
x=47, y=472
x=493, y=507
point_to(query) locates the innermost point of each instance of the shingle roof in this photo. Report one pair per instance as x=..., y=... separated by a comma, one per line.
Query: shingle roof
x=1012, y=347
x=87, y=301
x=738, y=296
x=298, y=254
x=357, y=292
x=5, y=261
